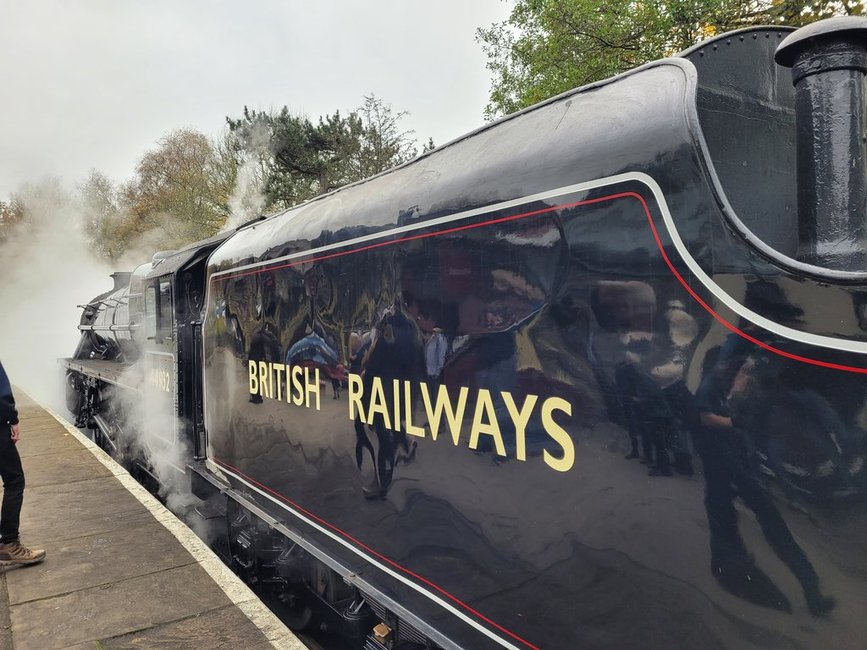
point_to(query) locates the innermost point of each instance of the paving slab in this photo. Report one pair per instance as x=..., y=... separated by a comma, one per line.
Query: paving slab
x=46, y=441
x=97, y=560
x=38, y=425
x=112, y=609
x=64, y=469
x=225, y=628
x=5, y=623
x=56, y=512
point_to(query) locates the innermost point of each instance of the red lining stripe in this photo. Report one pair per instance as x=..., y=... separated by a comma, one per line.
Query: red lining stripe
x=447, y=231
x=723, y=321
x=523, y=215
x=385, y=559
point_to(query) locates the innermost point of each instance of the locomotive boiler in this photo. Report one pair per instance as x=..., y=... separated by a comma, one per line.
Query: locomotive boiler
x=590, y=376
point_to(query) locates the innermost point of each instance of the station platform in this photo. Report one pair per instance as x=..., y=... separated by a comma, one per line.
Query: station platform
x=121, y=571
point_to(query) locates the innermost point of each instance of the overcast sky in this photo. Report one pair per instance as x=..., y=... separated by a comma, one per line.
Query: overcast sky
x=94, y=83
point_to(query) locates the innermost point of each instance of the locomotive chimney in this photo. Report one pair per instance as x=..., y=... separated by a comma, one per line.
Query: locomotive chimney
x=121, y=279
x=829, y=62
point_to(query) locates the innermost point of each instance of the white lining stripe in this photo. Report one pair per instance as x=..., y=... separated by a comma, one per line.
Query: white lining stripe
x=830, y=342
x=415, y=226
x=372, y=560
x=818, y=340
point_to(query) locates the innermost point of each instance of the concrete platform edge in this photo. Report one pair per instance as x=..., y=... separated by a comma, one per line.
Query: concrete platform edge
x=234, y=588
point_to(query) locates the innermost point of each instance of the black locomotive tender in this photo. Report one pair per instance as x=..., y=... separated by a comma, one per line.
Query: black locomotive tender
x=420, y=405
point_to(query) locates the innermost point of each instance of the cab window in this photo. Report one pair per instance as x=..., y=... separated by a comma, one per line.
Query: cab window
x=151, y=312
x=164, y=322
x=158, y=310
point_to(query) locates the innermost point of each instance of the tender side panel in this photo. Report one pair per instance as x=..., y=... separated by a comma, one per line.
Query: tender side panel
x=454, y=405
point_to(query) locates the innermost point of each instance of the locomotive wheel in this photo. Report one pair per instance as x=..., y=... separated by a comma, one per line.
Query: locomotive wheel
x=295, y=613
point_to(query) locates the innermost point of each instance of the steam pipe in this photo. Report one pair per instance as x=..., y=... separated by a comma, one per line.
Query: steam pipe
x=829, y=63
x=109, y=328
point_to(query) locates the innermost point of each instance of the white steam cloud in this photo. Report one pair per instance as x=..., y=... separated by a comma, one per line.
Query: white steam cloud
x=248, y=199
x=46, y=269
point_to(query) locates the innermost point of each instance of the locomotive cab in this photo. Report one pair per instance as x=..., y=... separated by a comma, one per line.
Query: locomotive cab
x=173, y=295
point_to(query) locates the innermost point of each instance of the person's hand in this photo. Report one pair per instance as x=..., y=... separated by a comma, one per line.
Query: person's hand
x=16, y=433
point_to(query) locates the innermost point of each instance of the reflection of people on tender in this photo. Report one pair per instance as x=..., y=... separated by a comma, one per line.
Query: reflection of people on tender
x=626, y=310
x=313, y=351
x=674, y=341
x=799, y=438
x=656, y=405
x=554, y=357
x=392, y=352
x=729, y=471
x=359, y=345
x=264, y=346
x=227, y=325
x=428, y=316
x=338, y=377
x=264, y=343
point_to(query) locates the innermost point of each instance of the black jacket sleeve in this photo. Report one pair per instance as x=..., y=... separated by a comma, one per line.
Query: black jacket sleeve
x=8, y=413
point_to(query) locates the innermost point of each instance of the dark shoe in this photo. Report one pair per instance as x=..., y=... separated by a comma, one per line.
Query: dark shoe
x=659, y=471
x=820, y=605
x=16, y=553
x=372, y=490
x=683, y=464
x=745, y=580
x=632, y=454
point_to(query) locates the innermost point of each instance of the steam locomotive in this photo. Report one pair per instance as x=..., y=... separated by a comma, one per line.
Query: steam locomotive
x=590, y=376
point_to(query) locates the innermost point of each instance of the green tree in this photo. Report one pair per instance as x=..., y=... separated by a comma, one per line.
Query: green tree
x=546, y=47
x=383, y=144
x=300, y=159
x=180, y=192
x=100, y=213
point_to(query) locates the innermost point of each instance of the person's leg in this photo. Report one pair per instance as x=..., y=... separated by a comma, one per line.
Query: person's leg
x=623, y=378
x=12, y=552
x=660, y=431
x=781, y=540
x=731, y=563
x=13, y=487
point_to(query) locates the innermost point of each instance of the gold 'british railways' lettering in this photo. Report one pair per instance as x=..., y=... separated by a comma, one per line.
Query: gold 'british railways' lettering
x=268, y=379
x=299, y=386
x=442, y=408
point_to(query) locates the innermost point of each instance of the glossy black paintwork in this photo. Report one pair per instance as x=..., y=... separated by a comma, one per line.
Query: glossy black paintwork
x=758, y=540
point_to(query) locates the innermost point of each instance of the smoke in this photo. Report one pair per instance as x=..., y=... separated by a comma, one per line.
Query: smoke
x=146, y=435
x=143, y=246
x=47, y=268
x=248, y=200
